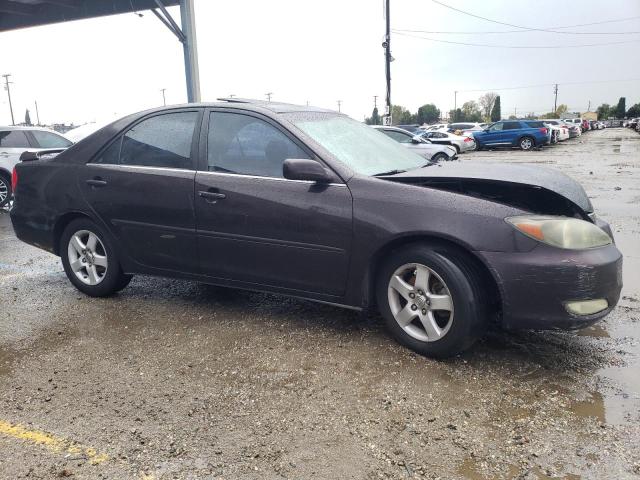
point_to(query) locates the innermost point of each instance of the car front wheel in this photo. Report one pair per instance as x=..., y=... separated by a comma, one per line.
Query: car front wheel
x=90, y=261
x=440, y=157
x=431, y=300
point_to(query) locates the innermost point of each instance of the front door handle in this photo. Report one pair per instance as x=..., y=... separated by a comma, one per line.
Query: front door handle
x=212, y=197
x=96, y=182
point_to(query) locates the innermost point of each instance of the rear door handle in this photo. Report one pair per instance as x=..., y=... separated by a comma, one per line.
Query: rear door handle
x=96, y=182
x=212, y=197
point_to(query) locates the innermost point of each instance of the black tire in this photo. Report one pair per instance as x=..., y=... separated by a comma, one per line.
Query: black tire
x=440, y=157
x=464, y=286
x=527, y=143
x=5, y=190
x=113, y=280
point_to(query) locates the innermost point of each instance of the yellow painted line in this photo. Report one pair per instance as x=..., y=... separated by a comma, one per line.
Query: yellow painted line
x=50, y=441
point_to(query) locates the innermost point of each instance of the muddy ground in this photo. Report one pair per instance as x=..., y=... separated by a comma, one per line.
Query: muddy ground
x=172, y=379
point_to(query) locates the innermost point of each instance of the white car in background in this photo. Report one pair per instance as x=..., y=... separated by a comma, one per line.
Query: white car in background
x=417, y=144
x=466, y=128
x=14, y=141
x=437, y=126
x=460, y=142
x=559, y=130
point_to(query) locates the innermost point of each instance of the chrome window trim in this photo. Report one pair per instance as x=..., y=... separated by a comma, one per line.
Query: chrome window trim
x=278, y=179
x=145, y=167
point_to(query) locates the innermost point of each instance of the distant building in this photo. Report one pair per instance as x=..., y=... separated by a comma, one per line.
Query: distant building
x=590, y=116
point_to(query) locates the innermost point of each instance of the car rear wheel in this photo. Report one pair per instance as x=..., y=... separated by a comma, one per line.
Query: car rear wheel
x=431, y=300
x=526, y=143
x=5, y=190
x=440, y=157
x=90, y=261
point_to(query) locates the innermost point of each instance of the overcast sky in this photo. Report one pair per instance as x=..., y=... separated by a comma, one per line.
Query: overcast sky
x=323, y=52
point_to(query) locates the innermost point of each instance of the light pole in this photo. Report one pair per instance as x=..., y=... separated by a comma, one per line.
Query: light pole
x=6, y=87
x=164, y=100
x=387, y=63
x=339, y=104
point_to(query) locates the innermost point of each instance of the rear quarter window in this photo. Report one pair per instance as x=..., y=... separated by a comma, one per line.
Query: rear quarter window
x=13, y=139
x=535, y=124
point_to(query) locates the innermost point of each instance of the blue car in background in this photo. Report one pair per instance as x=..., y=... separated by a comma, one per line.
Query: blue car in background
x=525, y=134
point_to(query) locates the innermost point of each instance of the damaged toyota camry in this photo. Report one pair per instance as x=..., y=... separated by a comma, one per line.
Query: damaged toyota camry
x=310, y=203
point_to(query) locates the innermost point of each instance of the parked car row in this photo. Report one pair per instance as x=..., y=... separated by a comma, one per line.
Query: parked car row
x=633, y=123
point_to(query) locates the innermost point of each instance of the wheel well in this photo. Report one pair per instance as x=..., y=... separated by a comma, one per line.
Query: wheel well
x=6, y=174
x=61, y=224
x=488, y=281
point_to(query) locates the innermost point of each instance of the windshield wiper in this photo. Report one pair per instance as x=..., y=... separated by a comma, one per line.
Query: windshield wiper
x=390, y=172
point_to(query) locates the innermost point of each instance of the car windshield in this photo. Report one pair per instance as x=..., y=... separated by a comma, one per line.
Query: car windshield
x=362, y=148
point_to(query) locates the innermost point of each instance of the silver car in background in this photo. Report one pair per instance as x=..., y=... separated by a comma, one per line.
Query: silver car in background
x=419, y=145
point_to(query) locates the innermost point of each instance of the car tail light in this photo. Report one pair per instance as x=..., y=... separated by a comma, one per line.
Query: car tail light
x=468, y=139
x=14, y=179
x=543, y=130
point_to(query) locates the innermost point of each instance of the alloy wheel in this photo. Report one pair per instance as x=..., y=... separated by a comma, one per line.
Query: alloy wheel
x=4, y=191
x=87, y=257
x=526, y=143
x=420, y=302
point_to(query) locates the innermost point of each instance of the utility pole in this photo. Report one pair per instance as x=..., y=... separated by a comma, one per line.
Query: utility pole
x=164, y=100
x=455, y=100
x=555, y=102
x=6, y=87
x=339, y=104
x=268, y=94
x=37, y=114
x=231, y=95
x=589, y=107
x=375, y=101
x=514, y=112
x=386, y=119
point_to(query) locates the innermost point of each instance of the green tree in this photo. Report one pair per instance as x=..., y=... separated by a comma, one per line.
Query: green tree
x=471, y=112
x=561, y=110
x=496, y=114
x=604, y=111
x=428, y=113
x=401, y=115
x=455, y=115
x=634, y=111
x=486, y=103
x=621, y=108
x=374, y=119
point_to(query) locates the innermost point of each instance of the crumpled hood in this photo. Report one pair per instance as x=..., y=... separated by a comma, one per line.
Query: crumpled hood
x=529, y=175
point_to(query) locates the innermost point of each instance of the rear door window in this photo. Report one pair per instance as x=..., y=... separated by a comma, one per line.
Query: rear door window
x=511, y=125
x=13, y=139
x=161, y=141
x=50, y=140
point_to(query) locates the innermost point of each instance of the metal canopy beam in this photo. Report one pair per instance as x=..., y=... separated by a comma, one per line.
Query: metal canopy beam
x=15, y=14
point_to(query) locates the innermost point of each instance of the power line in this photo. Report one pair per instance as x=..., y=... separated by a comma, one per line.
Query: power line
x=449, y=32
x=397, y=32
x=548, y=30
x=550, y=85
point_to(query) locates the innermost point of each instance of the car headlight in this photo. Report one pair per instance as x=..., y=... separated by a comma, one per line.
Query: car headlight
x=561, y=232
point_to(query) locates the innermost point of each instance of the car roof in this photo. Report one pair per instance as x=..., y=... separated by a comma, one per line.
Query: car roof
x=392, y=128
x=32, y=128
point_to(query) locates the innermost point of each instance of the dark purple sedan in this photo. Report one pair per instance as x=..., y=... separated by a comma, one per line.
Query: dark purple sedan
x=310, y=203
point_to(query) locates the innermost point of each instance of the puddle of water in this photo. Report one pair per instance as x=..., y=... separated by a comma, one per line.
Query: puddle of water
x=596, y=330
x=470, y=470
x=590, y=407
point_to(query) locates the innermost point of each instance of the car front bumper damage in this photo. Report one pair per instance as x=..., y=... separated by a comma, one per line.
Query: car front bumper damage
x=542, y=288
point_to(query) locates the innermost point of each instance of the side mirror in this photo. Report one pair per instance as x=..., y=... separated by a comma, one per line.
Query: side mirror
x=416, y=139
x=303, y=169
x=28, y=156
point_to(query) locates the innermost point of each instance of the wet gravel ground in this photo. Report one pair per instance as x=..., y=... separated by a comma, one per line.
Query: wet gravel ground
x=172, y=379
